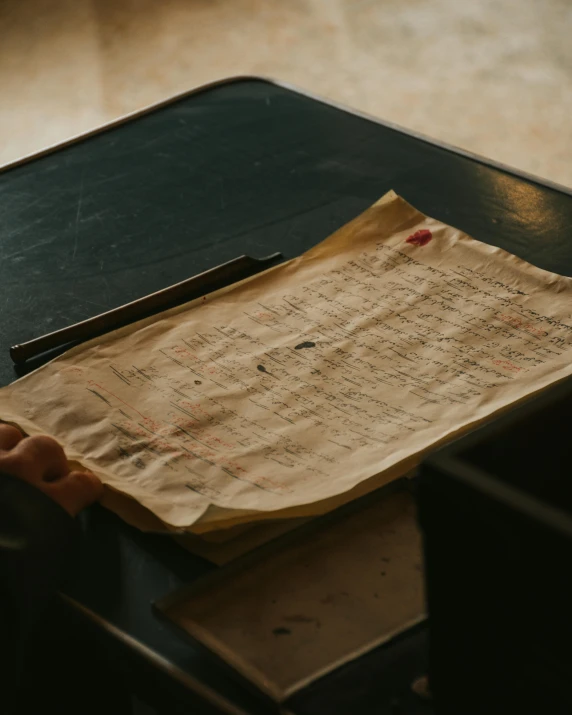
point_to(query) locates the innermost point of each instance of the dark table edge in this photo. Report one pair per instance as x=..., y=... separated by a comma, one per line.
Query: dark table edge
x=153, y=658
x=148, y=654
x=293, y=88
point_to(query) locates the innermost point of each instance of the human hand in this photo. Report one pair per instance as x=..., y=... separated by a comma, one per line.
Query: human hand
x=41, y=462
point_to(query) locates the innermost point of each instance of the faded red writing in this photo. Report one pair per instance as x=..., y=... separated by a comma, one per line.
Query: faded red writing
x=507, y=365
x=518, y=323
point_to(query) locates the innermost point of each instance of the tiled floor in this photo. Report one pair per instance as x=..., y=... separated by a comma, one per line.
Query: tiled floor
x=491, y=76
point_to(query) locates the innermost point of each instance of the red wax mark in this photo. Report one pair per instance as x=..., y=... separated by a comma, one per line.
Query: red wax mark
x=420, y=238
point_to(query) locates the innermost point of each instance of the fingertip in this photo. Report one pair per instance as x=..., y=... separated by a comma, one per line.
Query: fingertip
x=10, y=436
x=92, y=485
x=43, y=443
x=46, y=454
x=75, y=491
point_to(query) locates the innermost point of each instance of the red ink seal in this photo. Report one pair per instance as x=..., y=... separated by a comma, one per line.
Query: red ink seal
x=420, y=238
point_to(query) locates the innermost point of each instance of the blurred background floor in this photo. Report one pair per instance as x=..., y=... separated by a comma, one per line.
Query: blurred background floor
x=491, y=76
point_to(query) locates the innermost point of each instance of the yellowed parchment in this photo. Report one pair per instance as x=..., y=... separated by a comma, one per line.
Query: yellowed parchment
x=282, y=394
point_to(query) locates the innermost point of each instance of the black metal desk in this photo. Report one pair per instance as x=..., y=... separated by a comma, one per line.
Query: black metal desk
x=246, y=166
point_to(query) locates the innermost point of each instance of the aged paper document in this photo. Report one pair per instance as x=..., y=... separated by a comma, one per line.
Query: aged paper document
x=282, y=394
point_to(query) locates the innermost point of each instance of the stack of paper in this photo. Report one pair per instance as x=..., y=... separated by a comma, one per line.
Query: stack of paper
x=301, y=388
